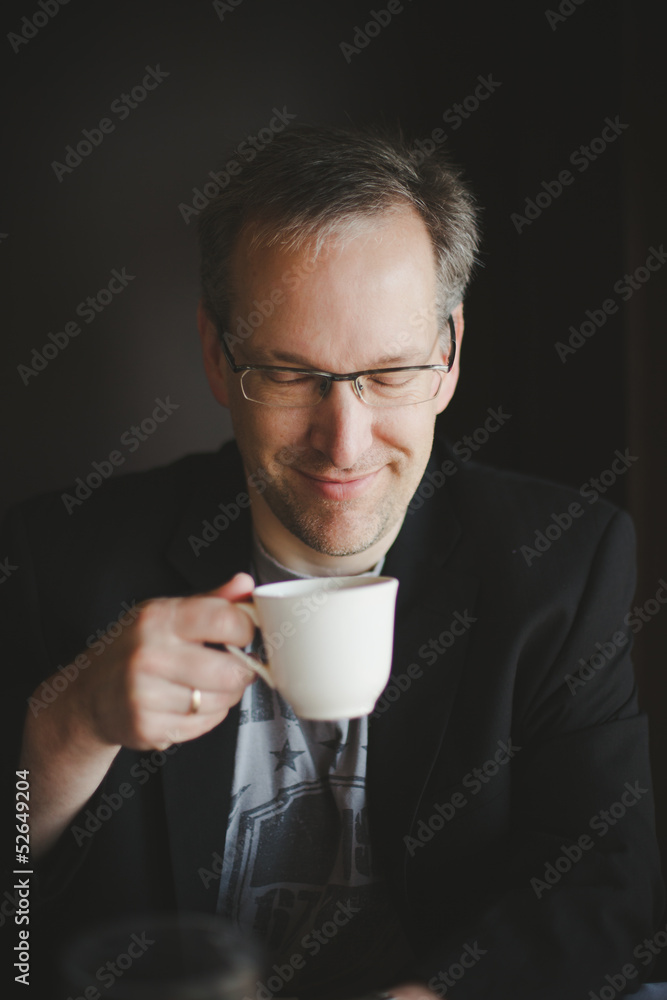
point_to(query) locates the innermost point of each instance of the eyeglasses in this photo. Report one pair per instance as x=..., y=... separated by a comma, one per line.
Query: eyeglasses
x=275, y=385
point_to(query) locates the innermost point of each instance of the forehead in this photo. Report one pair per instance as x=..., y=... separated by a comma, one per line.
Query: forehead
x=362, y=292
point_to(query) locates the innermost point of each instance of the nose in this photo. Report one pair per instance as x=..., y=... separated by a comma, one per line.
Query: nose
x=342, y=426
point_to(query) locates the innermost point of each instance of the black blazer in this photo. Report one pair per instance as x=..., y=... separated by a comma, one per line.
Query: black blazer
x=500, y=861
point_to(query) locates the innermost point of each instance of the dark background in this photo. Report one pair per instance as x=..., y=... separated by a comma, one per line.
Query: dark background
x=227, y=72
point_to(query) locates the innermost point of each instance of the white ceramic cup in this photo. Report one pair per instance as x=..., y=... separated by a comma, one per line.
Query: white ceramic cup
x=328, y=642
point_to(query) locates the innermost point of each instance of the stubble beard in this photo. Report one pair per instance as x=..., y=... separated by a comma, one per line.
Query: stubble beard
x=318, y=524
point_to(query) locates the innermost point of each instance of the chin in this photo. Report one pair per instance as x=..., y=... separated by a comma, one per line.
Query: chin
x=336, y=528
x=339, y=534
x=337, y=547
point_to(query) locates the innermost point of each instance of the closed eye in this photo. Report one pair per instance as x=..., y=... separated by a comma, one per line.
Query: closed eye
x=287, y=378
x=394, y=381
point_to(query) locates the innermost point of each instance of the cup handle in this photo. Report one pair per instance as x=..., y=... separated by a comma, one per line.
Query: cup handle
x=250, y=661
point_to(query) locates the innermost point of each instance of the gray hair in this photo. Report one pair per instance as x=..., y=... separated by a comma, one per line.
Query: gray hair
x=312, y=182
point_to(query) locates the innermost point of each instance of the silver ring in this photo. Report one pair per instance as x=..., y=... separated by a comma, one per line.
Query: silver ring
x=195, y=702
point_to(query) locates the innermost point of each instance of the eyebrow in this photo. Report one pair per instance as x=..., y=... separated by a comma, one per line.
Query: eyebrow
x=287, y=357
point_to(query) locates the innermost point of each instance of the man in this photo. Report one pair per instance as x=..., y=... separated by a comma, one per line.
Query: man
x=489, y=828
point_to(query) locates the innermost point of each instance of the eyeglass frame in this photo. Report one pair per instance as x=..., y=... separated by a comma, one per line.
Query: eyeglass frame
x=350, y=377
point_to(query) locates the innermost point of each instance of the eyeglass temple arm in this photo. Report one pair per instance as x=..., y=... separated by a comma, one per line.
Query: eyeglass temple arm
x=452, y=340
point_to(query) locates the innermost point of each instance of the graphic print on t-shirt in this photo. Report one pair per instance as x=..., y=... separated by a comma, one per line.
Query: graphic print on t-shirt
x=297, y=869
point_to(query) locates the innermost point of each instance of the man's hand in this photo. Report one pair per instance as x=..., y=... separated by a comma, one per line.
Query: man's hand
x=139, y=693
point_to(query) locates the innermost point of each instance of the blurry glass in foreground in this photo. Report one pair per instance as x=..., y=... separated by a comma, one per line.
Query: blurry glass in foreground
x=162, y=957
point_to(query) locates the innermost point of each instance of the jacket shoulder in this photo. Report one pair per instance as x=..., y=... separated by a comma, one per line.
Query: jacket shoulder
x=528, y=507
x=146, y=501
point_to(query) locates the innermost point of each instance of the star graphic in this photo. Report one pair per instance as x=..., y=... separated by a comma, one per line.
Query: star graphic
x=286, y=757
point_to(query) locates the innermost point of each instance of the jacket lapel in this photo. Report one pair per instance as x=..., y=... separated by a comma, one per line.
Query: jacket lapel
x=410, y=720
x=213, y=536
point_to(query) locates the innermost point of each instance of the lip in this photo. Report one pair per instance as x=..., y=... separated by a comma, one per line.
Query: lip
x=340, y=489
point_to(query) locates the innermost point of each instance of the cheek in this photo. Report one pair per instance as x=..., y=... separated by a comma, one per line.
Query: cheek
x=261, y=430
x=409, y=428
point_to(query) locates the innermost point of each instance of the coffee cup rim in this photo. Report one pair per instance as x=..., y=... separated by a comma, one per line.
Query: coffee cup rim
x=342, y=583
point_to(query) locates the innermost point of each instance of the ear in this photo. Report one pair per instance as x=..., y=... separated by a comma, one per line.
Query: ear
x=215, y=363
x=450, y=380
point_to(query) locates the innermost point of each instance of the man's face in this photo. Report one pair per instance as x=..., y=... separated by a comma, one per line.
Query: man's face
x=339, y=475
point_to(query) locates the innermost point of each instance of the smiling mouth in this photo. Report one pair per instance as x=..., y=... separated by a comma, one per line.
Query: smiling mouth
x=339, y=488
x=337, y=479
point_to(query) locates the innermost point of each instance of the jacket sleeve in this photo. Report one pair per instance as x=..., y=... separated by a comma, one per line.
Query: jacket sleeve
x=576, y=892
x=26, y=662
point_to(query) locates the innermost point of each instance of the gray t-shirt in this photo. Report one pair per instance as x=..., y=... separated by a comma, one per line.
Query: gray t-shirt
x=297, y=869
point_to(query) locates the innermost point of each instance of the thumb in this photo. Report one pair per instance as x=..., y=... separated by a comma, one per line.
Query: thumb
x=238, y=588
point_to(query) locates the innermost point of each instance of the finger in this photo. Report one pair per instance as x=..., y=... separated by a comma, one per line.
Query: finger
x=210, y=619
x=178, y=701
x=189, y=665
x=239, y=587
x=166, y=729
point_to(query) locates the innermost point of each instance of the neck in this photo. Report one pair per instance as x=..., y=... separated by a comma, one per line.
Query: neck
x=294, y=554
